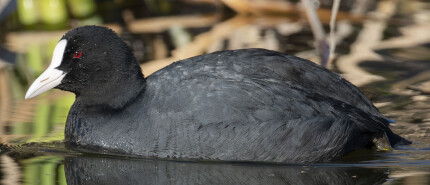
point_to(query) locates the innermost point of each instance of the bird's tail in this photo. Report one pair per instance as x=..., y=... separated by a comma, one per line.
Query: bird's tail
x=396, y=140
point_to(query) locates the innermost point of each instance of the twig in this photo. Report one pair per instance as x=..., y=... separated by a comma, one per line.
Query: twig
x=318, y=31
x=314, y=22
x=334, y=11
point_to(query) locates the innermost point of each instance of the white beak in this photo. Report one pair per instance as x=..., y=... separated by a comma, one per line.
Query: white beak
x=51, y=77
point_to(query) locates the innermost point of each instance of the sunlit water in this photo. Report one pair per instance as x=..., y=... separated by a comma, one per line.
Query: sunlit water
x=32, y=150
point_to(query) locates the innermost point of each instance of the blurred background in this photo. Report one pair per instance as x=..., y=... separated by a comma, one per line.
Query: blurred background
x=381, y=46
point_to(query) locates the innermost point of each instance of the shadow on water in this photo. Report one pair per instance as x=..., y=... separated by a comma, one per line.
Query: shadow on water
x=51, y=164
x=84, y=169
x=93, y=170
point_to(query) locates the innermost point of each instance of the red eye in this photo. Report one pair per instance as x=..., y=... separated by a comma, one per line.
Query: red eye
x=77, y=54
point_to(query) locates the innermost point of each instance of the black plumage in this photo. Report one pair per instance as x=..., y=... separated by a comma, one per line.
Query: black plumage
x=239, y=105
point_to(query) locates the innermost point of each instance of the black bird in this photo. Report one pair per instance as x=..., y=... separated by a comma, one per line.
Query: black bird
x=239, y=105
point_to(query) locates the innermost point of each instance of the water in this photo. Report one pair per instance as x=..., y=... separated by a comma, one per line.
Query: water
x=392, y=68
x=53, y=164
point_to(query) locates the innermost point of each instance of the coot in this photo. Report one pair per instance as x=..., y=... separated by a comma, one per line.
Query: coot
x=238, y=105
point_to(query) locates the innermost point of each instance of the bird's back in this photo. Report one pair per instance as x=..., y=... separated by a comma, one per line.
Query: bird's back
x=266, y=66
x=242, y=105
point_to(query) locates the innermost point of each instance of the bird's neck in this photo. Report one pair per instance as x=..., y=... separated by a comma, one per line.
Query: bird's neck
x=120, y=93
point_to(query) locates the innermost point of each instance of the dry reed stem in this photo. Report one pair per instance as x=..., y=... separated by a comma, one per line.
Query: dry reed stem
x=241, y=6
x=332, y=44
x=280, y=8
x=314, y=22
x=19, y=41
x=5, y=98
x=160, y=24
x=199, y=45
x=318, y=31
x=260, y=7
x=160, y=48
x=325, y=16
